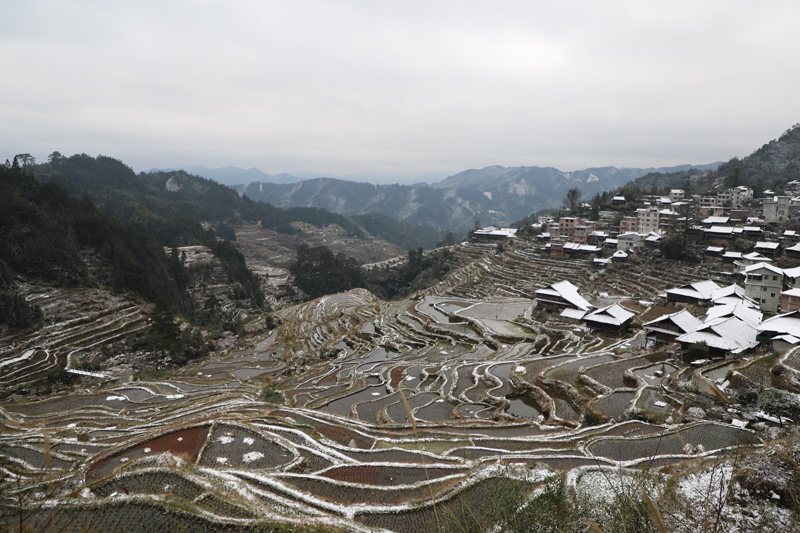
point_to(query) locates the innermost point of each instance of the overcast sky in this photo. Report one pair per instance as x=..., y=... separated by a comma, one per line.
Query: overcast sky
x=404, y=90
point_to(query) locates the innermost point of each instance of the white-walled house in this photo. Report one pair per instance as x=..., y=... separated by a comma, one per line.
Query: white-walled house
x=764, y=283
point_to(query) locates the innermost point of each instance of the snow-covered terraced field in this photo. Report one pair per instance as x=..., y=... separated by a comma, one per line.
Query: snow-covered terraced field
x=395, y=411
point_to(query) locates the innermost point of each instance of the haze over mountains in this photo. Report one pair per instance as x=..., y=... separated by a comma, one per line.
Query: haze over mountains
x=493, y=195
x=499, y=195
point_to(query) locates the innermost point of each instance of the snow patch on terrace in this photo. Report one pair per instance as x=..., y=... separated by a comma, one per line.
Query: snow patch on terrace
x=249, y=457
x=27, y=355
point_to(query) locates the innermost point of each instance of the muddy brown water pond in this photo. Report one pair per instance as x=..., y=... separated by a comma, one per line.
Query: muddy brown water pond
x=183, y=442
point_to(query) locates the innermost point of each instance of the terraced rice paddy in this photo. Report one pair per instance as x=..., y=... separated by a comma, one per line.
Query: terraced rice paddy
x=394, y=411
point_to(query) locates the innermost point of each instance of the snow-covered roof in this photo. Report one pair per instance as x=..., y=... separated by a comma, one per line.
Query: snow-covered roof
x=792, y=272
x=618, y=199
x=699, y=290
x=576, y=247
x=728, y=334
x=786, y=323
x=491, y=231
x=764, y=245
x=732, y=290
x=732, y=255
x=568, y=292
x=795, y=248
x=715, y=249
x=614, y=314
x=794, y=293
x=790, y=339
x=752, y=229
x=740, y=310
x=620, y=254
x=715, y=220
x=722, y=230
x=758, y=266
x=757, y=257
x=790, y=233
x=601, y=261
x=574, y=314
x=683, y=319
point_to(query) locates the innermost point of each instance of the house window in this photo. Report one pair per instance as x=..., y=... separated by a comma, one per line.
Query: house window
x=763, y=300
x=772, y=295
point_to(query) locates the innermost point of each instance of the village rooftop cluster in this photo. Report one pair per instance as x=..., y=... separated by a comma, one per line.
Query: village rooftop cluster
x=746, y=240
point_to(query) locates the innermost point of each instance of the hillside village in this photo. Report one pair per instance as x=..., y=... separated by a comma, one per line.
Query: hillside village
x=750, y=245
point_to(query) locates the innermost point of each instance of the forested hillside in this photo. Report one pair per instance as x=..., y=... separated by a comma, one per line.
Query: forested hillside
x=44, y=232
x=768, y=167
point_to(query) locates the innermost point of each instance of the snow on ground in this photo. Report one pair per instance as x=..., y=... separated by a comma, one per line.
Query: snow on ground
x=249, y=457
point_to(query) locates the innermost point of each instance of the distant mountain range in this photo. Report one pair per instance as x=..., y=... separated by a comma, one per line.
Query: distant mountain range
x=493, y=195
x=498, y=195
x=234, y=175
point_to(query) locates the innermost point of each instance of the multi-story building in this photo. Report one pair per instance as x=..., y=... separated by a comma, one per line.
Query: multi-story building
x=667, y=219
x=571, y=229
x=583, y=231
x=647, y=219
x=677, y=195
x=706, y=201
x=735, y=197
x=630, y=240
x=627, y=224
x=780, y=209
x=763, y=283
x=792, y=188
